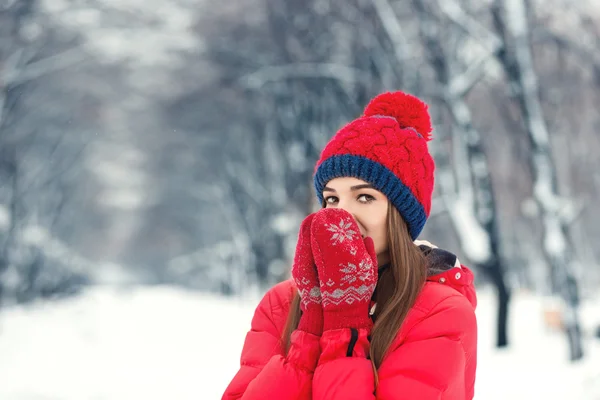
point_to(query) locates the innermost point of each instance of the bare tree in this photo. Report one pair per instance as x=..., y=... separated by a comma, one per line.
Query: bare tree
x=467, y=186
x=29, y=151
x=511, y=20
x=293, y=99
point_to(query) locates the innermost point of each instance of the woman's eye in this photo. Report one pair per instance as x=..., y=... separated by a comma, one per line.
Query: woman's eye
x=365, y=198
x=331, y=200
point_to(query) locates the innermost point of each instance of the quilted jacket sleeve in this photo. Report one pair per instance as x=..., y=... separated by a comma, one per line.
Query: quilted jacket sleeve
x=435, y=361
x=265, y=372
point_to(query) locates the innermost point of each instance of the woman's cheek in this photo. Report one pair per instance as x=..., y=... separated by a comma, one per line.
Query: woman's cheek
x=381, y=244
x=362, y=229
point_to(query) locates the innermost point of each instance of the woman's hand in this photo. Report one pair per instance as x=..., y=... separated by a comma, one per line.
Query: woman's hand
x=304, y=273
x=347, y=269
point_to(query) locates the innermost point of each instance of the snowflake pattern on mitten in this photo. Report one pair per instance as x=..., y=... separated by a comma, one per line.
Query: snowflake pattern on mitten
x=342, y=231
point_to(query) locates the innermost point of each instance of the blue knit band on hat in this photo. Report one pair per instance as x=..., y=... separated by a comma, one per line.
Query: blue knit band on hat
x=381, y=178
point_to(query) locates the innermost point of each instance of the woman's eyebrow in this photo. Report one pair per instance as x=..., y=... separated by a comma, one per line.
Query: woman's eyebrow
x=328, y=189
x=363, y=186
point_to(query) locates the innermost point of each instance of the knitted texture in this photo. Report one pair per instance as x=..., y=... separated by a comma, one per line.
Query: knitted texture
x=304, y=273
x=347, y=268
x=386, y=147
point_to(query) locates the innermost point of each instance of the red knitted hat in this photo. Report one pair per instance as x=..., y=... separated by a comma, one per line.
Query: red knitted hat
x=386, y=147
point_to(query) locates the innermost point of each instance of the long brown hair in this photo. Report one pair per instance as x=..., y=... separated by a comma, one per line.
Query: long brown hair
x=397, y=289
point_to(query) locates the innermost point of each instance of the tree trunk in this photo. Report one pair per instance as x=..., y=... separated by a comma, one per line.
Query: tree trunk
x=517, y=61
x=474, y=213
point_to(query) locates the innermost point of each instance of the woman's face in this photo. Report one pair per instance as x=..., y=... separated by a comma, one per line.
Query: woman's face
x=367, y=205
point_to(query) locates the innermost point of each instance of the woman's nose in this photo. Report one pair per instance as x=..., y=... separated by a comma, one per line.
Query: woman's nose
x=347, y=207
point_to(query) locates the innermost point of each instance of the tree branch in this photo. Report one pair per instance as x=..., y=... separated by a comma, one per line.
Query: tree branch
x=579, y=48
x=338, y=72
x=477, y=31
x=393, y=28
x=463, y=83
x=15, y=76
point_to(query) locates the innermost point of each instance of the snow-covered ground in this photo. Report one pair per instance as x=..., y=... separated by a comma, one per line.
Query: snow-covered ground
x=165, y=343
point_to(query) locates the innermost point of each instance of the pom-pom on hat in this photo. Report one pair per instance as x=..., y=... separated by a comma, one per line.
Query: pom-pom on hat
x=386, y=147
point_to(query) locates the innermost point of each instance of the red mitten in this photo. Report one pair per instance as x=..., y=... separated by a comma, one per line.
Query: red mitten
x=304, y=273
x=347, y=268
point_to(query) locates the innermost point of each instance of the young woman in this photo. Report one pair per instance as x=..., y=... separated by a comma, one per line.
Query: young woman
x=368, y=314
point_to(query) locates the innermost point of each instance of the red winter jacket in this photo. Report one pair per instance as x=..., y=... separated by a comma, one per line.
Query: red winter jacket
x=433, y=356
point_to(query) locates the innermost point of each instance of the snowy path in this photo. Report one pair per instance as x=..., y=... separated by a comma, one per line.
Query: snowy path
x=164, y=343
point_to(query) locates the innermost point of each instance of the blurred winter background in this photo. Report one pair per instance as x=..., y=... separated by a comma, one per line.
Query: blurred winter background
x=156, y=159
